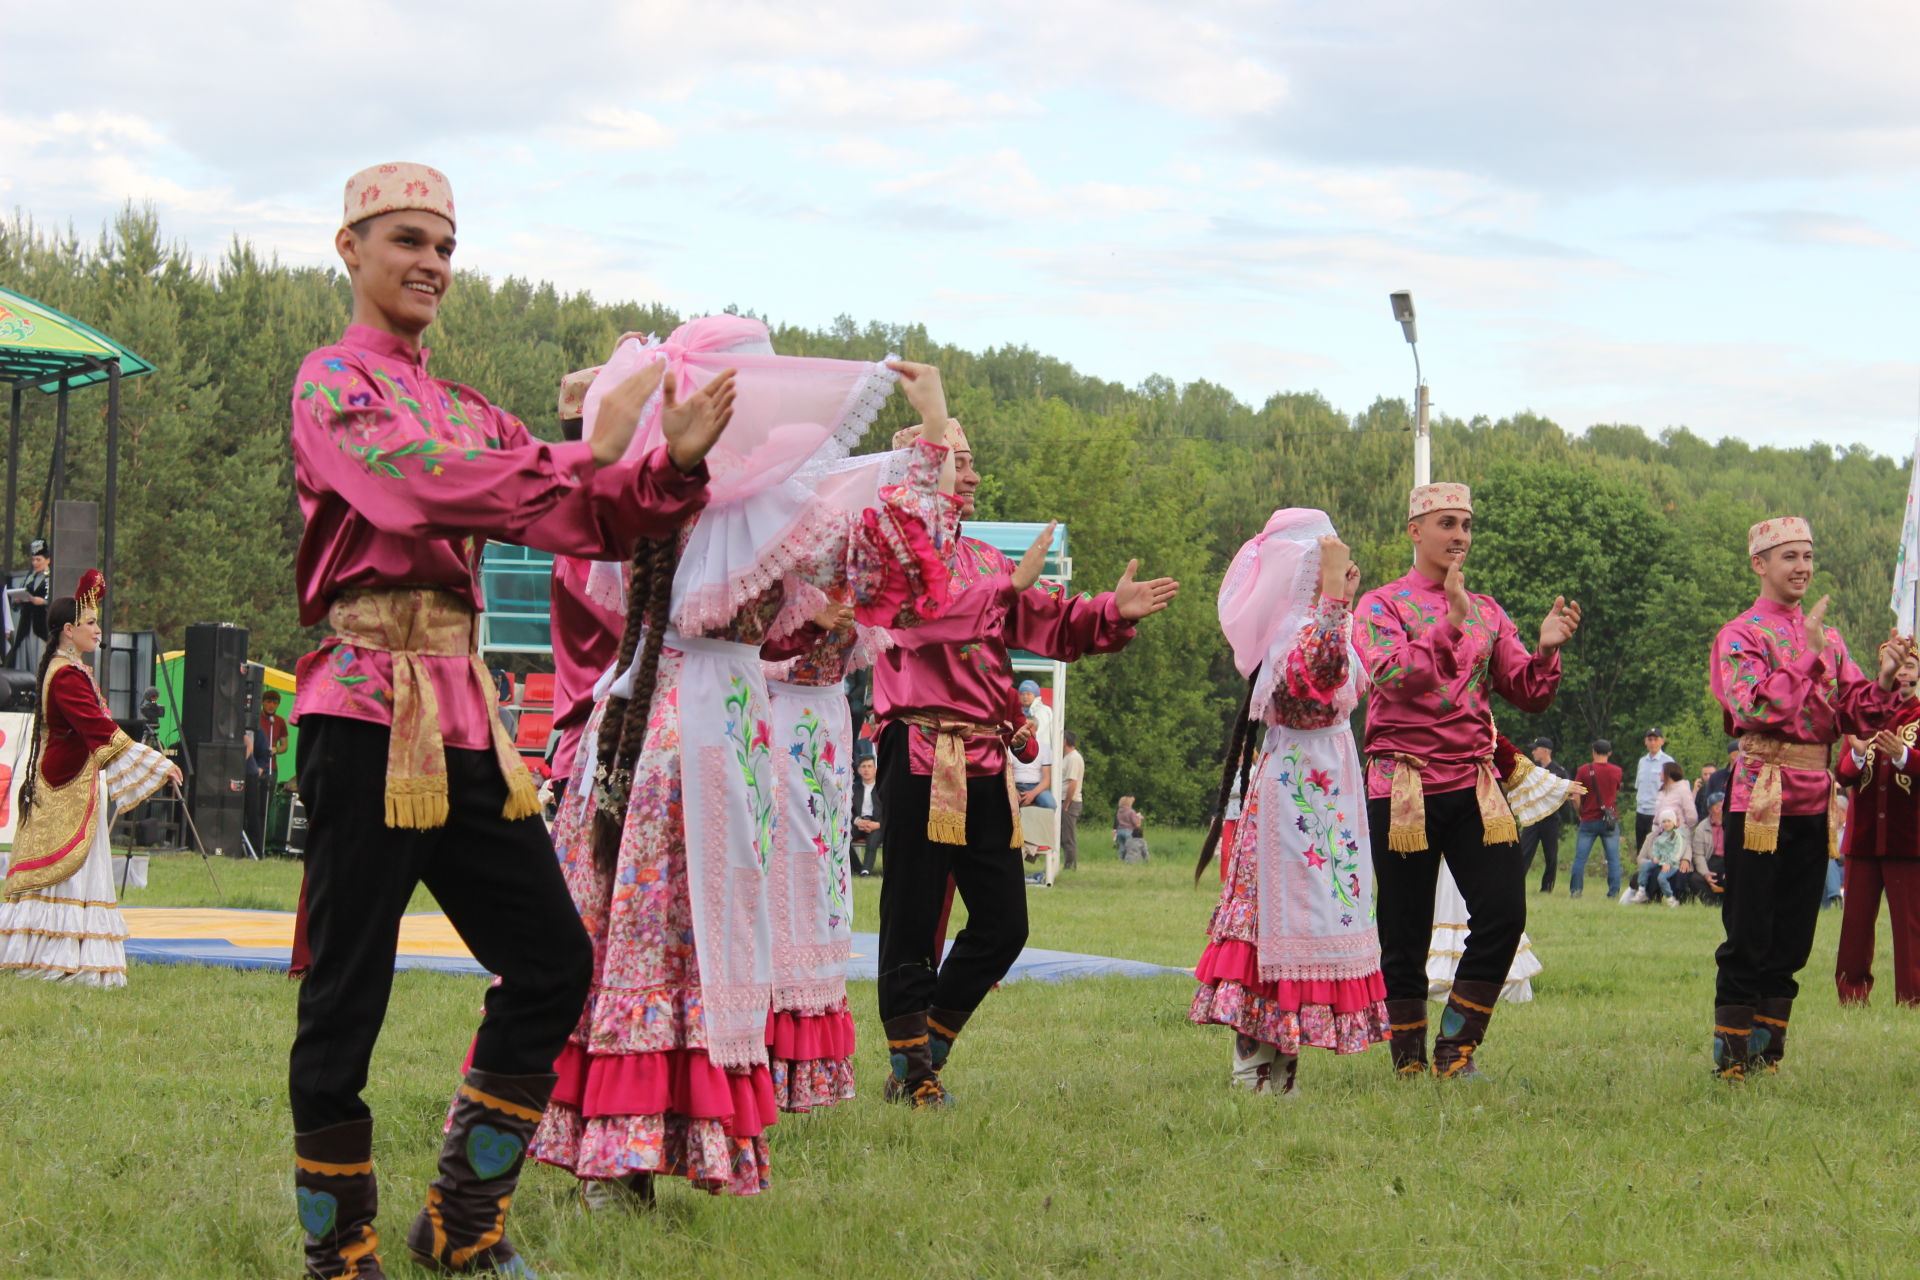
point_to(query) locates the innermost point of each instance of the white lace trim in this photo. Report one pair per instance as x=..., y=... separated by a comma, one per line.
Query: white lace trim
x=865, y=400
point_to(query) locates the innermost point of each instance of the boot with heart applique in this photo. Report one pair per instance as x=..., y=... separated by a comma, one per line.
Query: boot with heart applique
x=334, y=1188
x=463, y=1229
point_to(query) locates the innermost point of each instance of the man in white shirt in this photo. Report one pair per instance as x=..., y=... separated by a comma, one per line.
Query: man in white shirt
x=1646, y=785
x=1034, y=779
x=1073, y=773
x=865, y=836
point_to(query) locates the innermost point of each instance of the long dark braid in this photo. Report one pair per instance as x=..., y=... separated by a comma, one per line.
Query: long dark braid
x=60, y=613
x=623, y=728
x=1243, y=745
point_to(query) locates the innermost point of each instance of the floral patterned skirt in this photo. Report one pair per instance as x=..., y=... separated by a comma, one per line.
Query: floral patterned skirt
x=637, y=1092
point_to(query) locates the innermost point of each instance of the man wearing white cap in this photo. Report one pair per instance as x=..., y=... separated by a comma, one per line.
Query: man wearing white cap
x=406, y=772
x=1788, y=690
x=1436, y=653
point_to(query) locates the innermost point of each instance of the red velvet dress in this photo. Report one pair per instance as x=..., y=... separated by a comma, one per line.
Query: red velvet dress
x=1883, y=856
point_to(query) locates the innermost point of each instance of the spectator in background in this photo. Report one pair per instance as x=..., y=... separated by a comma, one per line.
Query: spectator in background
x=1721, y=784
x=1073, y=775
x=273, y=726
x=1705, y=858
x=1659, y=858
x=1599, y=817
x=1544, y=834
x=30, y=633
x=1037, y=710
x=1647, y=781
x=865, y=835
x=1129, y=832
x=1033, y=779
x=1702, y=788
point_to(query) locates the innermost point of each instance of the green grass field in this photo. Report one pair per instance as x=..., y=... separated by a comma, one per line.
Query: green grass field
x=144, y=1132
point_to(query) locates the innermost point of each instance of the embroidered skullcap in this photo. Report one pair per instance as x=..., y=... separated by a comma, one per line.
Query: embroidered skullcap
x=385, y=188
x=1769, y=534
x=38, y=547
x=1428, y=498
x=956, y=437
x=573, y=392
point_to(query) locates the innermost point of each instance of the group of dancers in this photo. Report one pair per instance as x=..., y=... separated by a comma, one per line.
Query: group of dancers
x=670, y=963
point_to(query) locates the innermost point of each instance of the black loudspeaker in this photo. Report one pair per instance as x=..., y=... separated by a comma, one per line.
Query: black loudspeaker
x=219, y=799
x=76, y=544
x=213, y=701
x=129, y=672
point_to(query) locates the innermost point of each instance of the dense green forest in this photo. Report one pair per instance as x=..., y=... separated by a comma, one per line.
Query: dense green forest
x=1647, y=532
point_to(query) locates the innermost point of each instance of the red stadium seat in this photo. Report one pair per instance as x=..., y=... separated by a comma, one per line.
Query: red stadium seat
x=534, y=729
x=537, y=690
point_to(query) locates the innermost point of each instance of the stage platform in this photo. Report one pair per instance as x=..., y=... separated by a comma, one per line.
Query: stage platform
x=264, y=940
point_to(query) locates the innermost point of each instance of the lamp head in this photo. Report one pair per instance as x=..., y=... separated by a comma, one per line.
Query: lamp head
x=1403, y=312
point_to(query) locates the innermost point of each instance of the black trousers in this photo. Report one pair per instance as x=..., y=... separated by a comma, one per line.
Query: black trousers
x=1492, y=879
x=986, y=871
x=1544, y=836
x=497, y=881
x=864, y=851
x=1642, y=828
x=1769, y=909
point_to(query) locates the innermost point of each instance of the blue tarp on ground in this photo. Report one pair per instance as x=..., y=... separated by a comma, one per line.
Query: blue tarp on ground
x=217, y=930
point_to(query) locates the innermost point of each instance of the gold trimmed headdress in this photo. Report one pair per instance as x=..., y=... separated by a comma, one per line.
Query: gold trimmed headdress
x=91, y=587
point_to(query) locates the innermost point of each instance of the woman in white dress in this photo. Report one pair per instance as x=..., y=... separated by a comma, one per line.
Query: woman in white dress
x=59, y=920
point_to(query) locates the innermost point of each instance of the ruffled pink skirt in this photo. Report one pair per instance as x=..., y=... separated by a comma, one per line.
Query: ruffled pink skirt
x=1342, y=1014
x=669, y=1112
x=811, y=1058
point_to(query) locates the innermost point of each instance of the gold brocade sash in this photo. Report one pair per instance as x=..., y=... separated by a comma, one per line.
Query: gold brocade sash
x=412, y=623
x=56, y=834
x=947, y=803
x=1407, y=805
x=1762, y=834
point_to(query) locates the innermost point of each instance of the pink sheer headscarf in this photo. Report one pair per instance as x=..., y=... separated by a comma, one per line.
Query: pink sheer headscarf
x=789, y=413
x=1269, y=590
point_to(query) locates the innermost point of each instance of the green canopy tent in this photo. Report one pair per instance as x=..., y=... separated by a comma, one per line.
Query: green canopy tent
x=41, y=349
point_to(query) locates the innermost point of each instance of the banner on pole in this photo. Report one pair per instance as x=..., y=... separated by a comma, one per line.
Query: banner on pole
x=1905, y=602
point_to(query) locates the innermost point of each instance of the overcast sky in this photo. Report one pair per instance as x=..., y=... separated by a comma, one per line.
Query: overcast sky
x=1672, y=213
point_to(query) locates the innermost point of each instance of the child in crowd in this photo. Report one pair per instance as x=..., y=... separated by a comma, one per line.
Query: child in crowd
x=1659, y=857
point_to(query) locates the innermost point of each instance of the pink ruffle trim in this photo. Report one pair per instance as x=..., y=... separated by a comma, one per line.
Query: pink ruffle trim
x=810, y=1037
x=1238, y=962
x=671, y=1082
x=812, y=1058
x=1345, y=1015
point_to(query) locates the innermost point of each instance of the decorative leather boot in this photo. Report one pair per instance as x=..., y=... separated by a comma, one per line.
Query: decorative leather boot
x=943, y=1028
x=630, y=1194
x=463, y=1229
x=1407, y=1023
x=1252, y=1064
x=334, y=1189
x=1768, y=1043
x=1463, y=1025
x=1732, y=1041
x=913, y=1079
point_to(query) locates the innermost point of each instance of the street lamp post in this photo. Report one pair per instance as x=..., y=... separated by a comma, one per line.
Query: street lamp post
x=1422, y=437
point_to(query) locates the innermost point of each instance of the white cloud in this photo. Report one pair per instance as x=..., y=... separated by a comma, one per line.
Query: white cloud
x=617, y=129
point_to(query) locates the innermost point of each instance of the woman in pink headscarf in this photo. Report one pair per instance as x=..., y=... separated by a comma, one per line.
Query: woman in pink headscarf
x=1294, y=956
x=669, y=836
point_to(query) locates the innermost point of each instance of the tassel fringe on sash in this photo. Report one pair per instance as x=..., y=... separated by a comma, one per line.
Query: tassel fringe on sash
x=1407, y=806
x=410, y=624
x=947, y=803
x=1765, y=801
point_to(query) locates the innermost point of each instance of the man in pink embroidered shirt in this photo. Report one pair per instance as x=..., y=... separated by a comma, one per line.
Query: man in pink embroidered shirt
x=1436, y=653
x=407, y=775
x=1788, y=690
x=945, y=694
